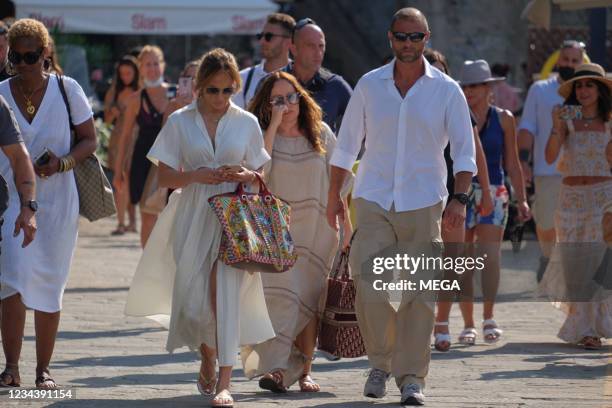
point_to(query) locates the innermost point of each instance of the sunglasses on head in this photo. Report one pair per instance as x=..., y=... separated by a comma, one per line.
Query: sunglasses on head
x=268, y=36
x=302, y=23
x=292, y=98
x=30, y=57
x=215, y=91
x=413, y=37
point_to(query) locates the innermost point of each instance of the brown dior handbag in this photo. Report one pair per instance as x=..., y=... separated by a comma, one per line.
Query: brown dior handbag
x=96, y=199
x=339, y=334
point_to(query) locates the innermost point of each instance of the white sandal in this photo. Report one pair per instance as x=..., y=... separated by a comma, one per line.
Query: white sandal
x=494, y=331
x=442, y=337
x=468, y=336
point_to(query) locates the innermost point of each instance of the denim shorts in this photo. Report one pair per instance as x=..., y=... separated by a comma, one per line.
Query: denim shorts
x=498, y=217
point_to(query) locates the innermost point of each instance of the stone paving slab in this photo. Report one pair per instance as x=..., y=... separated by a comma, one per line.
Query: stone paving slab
x=110, y=360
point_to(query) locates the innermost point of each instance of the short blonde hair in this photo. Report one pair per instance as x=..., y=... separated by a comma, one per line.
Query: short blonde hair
x=214, y=61
x=151, y=49
x=28, y=28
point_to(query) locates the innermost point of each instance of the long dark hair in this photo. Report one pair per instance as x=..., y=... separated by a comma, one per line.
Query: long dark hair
x=310, y=119
x=126, y=60
x=604, y=99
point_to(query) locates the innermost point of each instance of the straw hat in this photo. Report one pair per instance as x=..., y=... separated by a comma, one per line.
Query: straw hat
x=477, y=72
x=585, y=71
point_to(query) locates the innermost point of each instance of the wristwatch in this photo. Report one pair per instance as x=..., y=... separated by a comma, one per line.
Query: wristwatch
x=31, y=204
x=462, y=198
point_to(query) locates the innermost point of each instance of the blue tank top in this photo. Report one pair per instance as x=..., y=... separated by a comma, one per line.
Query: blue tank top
x=492, y=139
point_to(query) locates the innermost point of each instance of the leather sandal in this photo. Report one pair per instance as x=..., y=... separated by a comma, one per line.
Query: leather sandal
x=442, y=338
x=10, y=372
x=206, y=386
x=43, y=379
x=223, y=399
x=591, y=343
x=273, y=381
x=491, y=334
x=468, y=336
x=120, y=230
x=307, y=384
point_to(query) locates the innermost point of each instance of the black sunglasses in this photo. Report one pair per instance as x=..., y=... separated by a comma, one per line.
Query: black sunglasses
x=215, y=91
x=30, y=57
x=268, y=36
x=413, y=37
x=301, y=24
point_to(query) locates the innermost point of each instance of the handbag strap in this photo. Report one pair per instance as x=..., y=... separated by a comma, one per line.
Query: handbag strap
x=60, y=81
x=343, y=263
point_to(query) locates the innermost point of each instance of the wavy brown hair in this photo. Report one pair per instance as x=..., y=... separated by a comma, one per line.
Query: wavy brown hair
x=310, y=118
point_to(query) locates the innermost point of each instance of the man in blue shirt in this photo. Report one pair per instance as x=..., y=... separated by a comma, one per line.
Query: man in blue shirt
x=330, y=90
x=534, y=131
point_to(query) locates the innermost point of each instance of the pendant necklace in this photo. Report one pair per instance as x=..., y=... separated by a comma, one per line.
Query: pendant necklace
x=30, y=108
x=588, y=121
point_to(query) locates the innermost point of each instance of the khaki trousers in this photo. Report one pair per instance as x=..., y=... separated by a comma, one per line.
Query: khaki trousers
x=396, y=341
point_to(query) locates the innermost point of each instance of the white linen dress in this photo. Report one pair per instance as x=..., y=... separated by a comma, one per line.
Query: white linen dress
x=172, y=277
x=39, y=272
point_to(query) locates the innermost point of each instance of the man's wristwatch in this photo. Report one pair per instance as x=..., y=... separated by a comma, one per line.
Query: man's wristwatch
x=462, y=198
x=31, y=204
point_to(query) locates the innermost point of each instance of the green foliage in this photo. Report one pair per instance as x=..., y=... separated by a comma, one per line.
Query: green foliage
x=97, y=54
x=103, y=132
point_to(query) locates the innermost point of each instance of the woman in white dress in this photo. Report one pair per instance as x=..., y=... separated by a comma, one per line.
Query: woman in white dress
x=35, y=277
x=204, y=149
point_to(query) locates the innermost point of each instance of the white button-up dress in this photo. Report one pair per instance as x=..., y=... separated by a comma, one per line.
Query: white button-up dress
x=173, y=275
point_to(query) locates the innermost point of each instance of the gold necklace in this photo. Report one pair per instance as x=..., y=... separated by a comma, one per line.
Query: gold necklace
x=30, y=108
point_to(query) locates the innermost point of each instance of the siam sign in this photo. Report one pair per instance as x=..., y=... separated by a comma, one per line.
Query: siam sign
x=243, y=24
x=140, y=22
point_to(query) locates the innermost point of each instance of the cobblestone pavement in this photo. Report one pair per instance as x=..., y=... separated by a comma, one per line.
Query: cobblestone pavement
x=110, y=360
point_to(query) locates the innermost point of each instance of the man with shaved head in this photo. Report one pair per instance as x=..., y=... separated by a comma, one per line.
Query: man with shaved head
x=409, y=112
x=330, y=90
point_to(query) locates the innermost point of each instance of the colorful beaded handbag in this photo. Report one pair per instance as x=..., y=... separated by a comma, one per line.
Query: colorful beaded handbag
x=255, y=228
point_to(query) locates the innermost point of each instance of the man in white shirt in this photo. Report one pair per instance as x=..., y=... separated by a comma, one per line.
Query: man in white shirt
x=275, y=40
x=407, y=112
x=534, y=130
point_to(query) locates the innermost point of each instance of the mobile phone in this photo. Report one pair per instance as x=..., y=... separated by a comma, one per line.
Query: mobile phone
x=184, y=87
x=43, y=158
x=571, y=112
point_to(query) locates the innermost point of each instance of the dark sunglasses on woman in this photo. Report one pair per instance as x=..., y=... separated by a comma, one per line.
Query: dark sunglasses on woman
x=292, y=98
x=268, y=36
x=215, y=91
x=30, y=57
x=413, y=37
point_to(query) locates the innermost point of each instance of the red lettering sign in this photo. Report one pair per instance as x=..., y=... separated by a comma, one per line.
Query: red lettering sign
x=243, y=24
x=51, y=22
x=140, y=22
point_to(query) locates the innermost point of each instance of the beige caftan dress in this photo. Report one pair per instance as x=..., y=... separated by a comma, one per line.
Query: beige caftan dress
x=300, y=176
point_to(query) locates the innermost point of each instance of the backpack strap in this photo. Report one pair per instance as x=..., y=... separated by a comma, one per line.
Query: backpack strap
x=247, y=84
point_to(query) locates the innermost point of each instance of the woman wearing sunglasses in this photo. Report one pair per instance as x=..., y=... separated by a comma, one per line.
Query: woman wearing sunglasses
x=581, y=137
x=35, y=277
x=146, y=108
x=204, y=149
x=301, y=145
x=497, y=131
x=455, y=237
